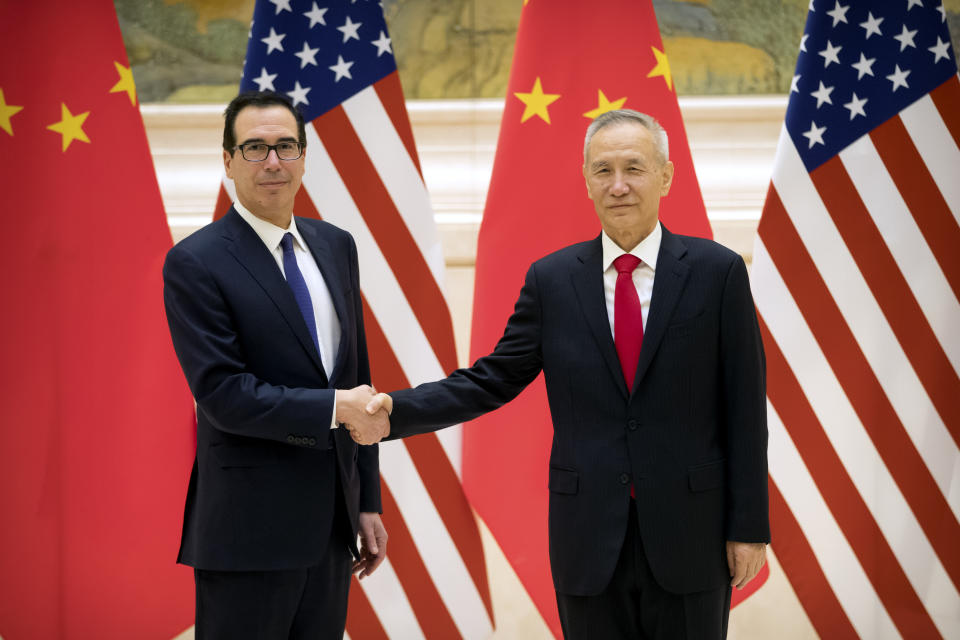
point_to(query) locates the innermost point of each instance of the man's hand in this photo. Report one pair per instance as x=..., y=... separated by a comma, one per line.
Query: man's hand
x=364, y=427
x=380, y=401
x=745, y=559
x=373, y=544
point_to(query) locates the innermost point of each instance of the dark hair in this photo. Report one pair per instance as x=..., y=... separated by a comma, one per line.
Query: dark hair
x=260, y=100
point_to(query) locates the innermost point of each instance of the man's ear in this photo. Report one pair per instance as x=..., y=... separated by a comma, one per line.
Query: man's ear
x=227, y=162
x=667, y=178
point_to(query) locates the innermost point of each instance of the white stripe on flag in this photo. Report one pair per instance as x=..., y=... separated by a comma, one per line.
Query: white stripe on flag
x=386, y=150
x=937, y=147
x=906, y=243
x=390, y=603
x=840, y=566
x=846, y=434
x=863, y=315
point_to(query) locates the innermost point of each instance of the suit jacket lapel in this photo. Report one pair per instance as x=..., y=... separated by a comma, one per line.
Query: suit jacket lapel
x=334, y=281
x=668, y=283
x=587, y=279
x=249, y=250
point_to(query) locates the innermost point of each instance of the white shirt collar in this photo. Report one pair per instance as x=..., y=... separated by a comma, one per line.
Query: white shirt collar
x=647, y=250
x=270, y=233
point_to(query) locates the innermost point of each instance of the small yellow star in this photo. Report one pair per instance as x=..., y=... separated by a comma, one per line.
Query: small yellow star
x=125, y=83
x=70, y=127
x=604, y=105
x=536, y=102
x=7, y=111
x=662, y=68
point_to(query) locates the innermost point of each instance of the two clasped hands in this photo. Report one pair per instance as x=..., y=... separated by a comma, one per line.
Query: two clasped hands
x=364, y=413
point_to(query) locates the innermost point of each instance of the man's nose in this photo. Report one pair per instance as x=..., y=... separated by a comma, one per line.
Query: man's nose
x=620, y=186
x=272, y=160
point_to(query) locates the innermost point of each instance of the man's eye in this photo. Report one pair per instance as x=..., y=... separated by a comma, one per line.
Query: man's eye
x=255, y=148
x=286, y=146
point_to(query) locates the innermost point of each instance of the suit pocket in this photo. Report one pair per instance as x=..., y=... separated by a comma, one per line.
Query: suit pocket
x=242, y=457
x=704, y=477
x=565, y=481
x=681, y=327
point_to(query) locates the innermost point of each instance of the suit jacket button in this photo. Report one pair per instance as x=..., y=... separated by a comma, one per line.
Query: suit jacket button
x=312, y=442
x=632, y=425
x=624, y=478
x=291, y=439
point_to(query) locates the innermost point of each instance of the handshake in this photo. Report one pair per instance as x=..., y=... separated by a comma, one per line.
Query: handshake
x=364, y=413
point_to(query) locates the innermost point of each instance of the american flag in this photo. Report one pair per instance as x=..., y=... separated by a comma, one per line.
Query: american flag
x=856, y=276
x=335, y=60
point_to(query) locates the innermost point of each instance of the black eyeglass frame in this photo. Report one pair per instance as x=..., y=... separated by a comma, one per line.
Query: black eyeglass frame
x=270, y=147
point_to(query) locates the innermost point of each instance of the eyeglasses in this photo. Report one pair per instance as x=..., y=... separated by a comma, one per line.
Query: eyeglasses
x=258, y=151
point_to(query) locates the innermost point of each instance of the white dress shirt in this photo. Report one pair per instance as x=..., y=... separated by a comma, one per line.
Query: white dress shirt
x=643, y=275
x=324, y=313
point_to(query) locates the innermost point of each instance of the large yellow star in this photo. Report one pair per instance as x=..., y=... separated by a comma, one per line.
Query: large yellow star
x=6, y=112
x=70, y=127
x=125, y=83
x=662, y=68
x=536, y=102
x=604, y=105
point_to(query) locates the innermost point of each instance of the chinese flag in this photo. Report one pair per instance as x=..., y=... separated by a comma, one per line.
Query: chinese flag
x=573, y=61
x=96, y=422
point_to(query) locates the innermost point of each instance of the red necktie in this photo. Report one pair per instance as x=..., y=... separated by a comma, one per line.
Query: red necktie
x=627, y=318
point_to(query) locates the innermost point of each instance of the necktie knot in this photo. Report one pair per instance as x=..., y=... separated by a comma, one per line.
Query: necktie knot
x=286, y=242
x=626, y=263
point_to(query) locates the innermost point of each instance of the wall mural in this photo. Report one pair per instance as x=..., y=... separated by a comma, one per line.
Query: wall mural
x=191, y=51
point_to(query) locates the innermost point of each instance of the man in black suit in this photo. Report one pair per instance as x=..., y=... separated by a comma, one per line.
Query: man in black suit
x=654, y=370
x=265, y=314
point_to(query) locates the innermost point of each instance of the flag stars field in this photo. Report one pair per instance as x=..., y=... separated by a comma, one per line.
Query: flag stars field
x=536, y=102
x=70, y=126
x=7, y=111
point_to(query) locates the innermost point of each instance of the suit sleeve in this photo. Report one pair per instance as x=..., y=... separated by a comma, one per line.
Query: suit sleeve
x=743, y=370
x=491, y=382
x=368, y=456
x=206, y=343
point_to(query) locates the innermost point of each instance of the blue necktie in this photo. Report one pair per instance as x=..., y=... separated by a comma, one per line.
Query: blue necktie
x=299, y=287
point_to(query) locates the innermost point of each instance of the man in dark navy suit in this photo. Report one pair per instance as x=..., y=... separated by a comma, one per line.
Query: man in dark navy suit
x=265, y=314
x=655, y=376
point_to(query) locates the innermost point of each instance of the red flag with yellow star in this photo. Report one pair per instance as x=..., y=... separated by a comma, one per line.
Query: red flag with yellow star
x=96, y=421
x=573, y=61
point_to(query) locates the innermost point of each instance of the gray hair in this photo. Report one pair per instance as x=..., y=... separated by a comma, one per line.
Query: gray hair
x=621, y=116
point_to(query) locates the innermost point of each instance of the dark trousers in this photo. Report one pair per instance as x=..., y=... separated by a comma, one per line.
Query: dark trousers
x=299, y=604
x=635, y=607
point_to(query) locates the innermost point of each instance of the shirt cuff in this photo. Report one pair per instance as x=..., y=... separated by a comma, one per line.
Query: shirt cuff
x=333, y=418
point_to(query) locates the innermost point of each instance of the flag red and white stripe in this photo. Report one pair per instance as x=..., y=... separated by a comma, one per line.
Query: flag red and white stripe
x=856, y=277
x=363, y=175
